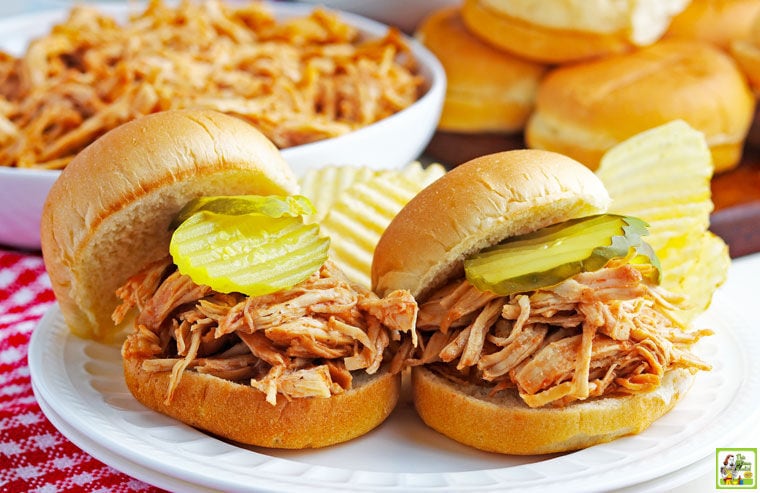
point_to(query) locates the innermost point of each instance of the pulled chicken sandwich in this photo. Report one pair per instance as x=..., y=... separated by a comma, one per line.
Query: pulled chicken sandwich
x=278, y=349
x=543, y=327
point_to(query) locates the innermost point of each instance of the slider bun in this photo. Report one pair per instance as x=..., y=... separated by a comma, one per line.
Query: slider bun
x=746, y=52
x=719, y=22
x=475, y=205
x=535, y=42
x=108, y=214
x=488, y=90
x=584, y=109
x=241, y=413
x=504, y=423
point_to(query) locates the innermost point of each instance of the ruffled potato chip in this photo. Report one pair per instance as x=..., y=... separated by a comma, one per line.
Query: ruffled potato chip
x=324, y=185
x=358, y=214
x=421, y=176
x=663, y=176
x=705, y=274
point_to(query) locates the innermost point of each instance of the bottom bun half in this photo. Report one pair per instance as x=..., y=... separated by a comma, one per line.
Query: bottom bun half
x=241, y=413
x=505, y=424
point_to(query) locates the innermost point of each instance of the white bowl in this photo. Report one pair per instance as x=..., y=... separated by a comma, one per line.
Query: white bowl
x=389, y=143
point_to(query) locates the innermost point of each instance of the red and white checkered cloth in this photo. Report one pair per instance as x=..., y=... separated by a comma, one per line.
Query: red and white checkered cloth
x=34, y=456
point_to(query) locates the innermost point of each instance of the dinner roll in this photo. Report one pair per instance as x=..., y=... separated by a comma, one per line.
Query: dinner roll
x=560, y=31
x=720, y=22
x=746, y=52
x=584, y=109
x=488, y=90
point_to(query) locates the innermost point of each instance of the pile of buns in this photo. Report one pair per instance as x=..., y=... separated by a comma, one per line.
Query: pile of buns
x=578, y=77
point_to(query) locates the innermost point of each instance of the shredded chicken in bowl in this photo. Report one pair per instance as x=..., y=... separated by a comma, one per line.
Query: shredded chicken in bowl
x=298, y=80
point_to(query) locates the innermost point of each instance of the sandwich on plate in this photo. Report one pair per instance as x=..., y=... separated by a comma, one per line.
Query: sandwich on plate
x=543, y=327
x=185, y=229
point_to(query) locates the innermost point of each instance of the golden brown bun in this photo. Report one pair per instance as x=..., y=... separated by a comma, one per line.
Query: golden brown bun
x=720, y=22
x=538, y=43
x=108, y=214
x=584, y=109
x=241, y=413
x=504, y=423
x=747, y=56
x=746, y=52
x=487, y=90
x=475, y=205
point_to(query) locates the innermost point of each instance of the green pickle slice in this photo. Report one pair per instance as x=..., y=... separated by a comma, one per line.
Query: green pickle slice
x=251, y=245
x=555, y=253
x=270, y=205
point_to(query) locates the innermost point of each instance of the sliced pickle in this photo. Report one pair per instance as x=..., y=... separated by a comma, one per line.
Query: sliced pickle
x=555, y=253
x=235, y=205
x=251, y=253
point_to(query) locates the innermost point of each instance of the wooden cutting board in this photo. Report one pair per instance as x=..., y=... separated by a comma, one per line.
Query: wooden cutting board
x=736, y=193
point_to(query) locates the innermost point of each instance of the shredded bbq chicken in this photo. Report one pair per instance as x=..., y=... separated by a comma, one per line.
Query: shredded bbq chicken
x=302, y=342
x=598, y=333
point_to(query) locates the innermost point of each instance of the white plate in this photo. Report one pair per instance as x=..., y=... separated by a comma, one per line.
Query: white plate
x=81, y=381
x=108, y=457
x=671, y=480
x=388, y=143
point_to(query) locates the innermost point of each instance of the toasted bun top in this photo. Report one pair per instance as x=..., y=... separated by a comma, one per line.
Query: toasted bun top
x=476, y=205
x=108, y=214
